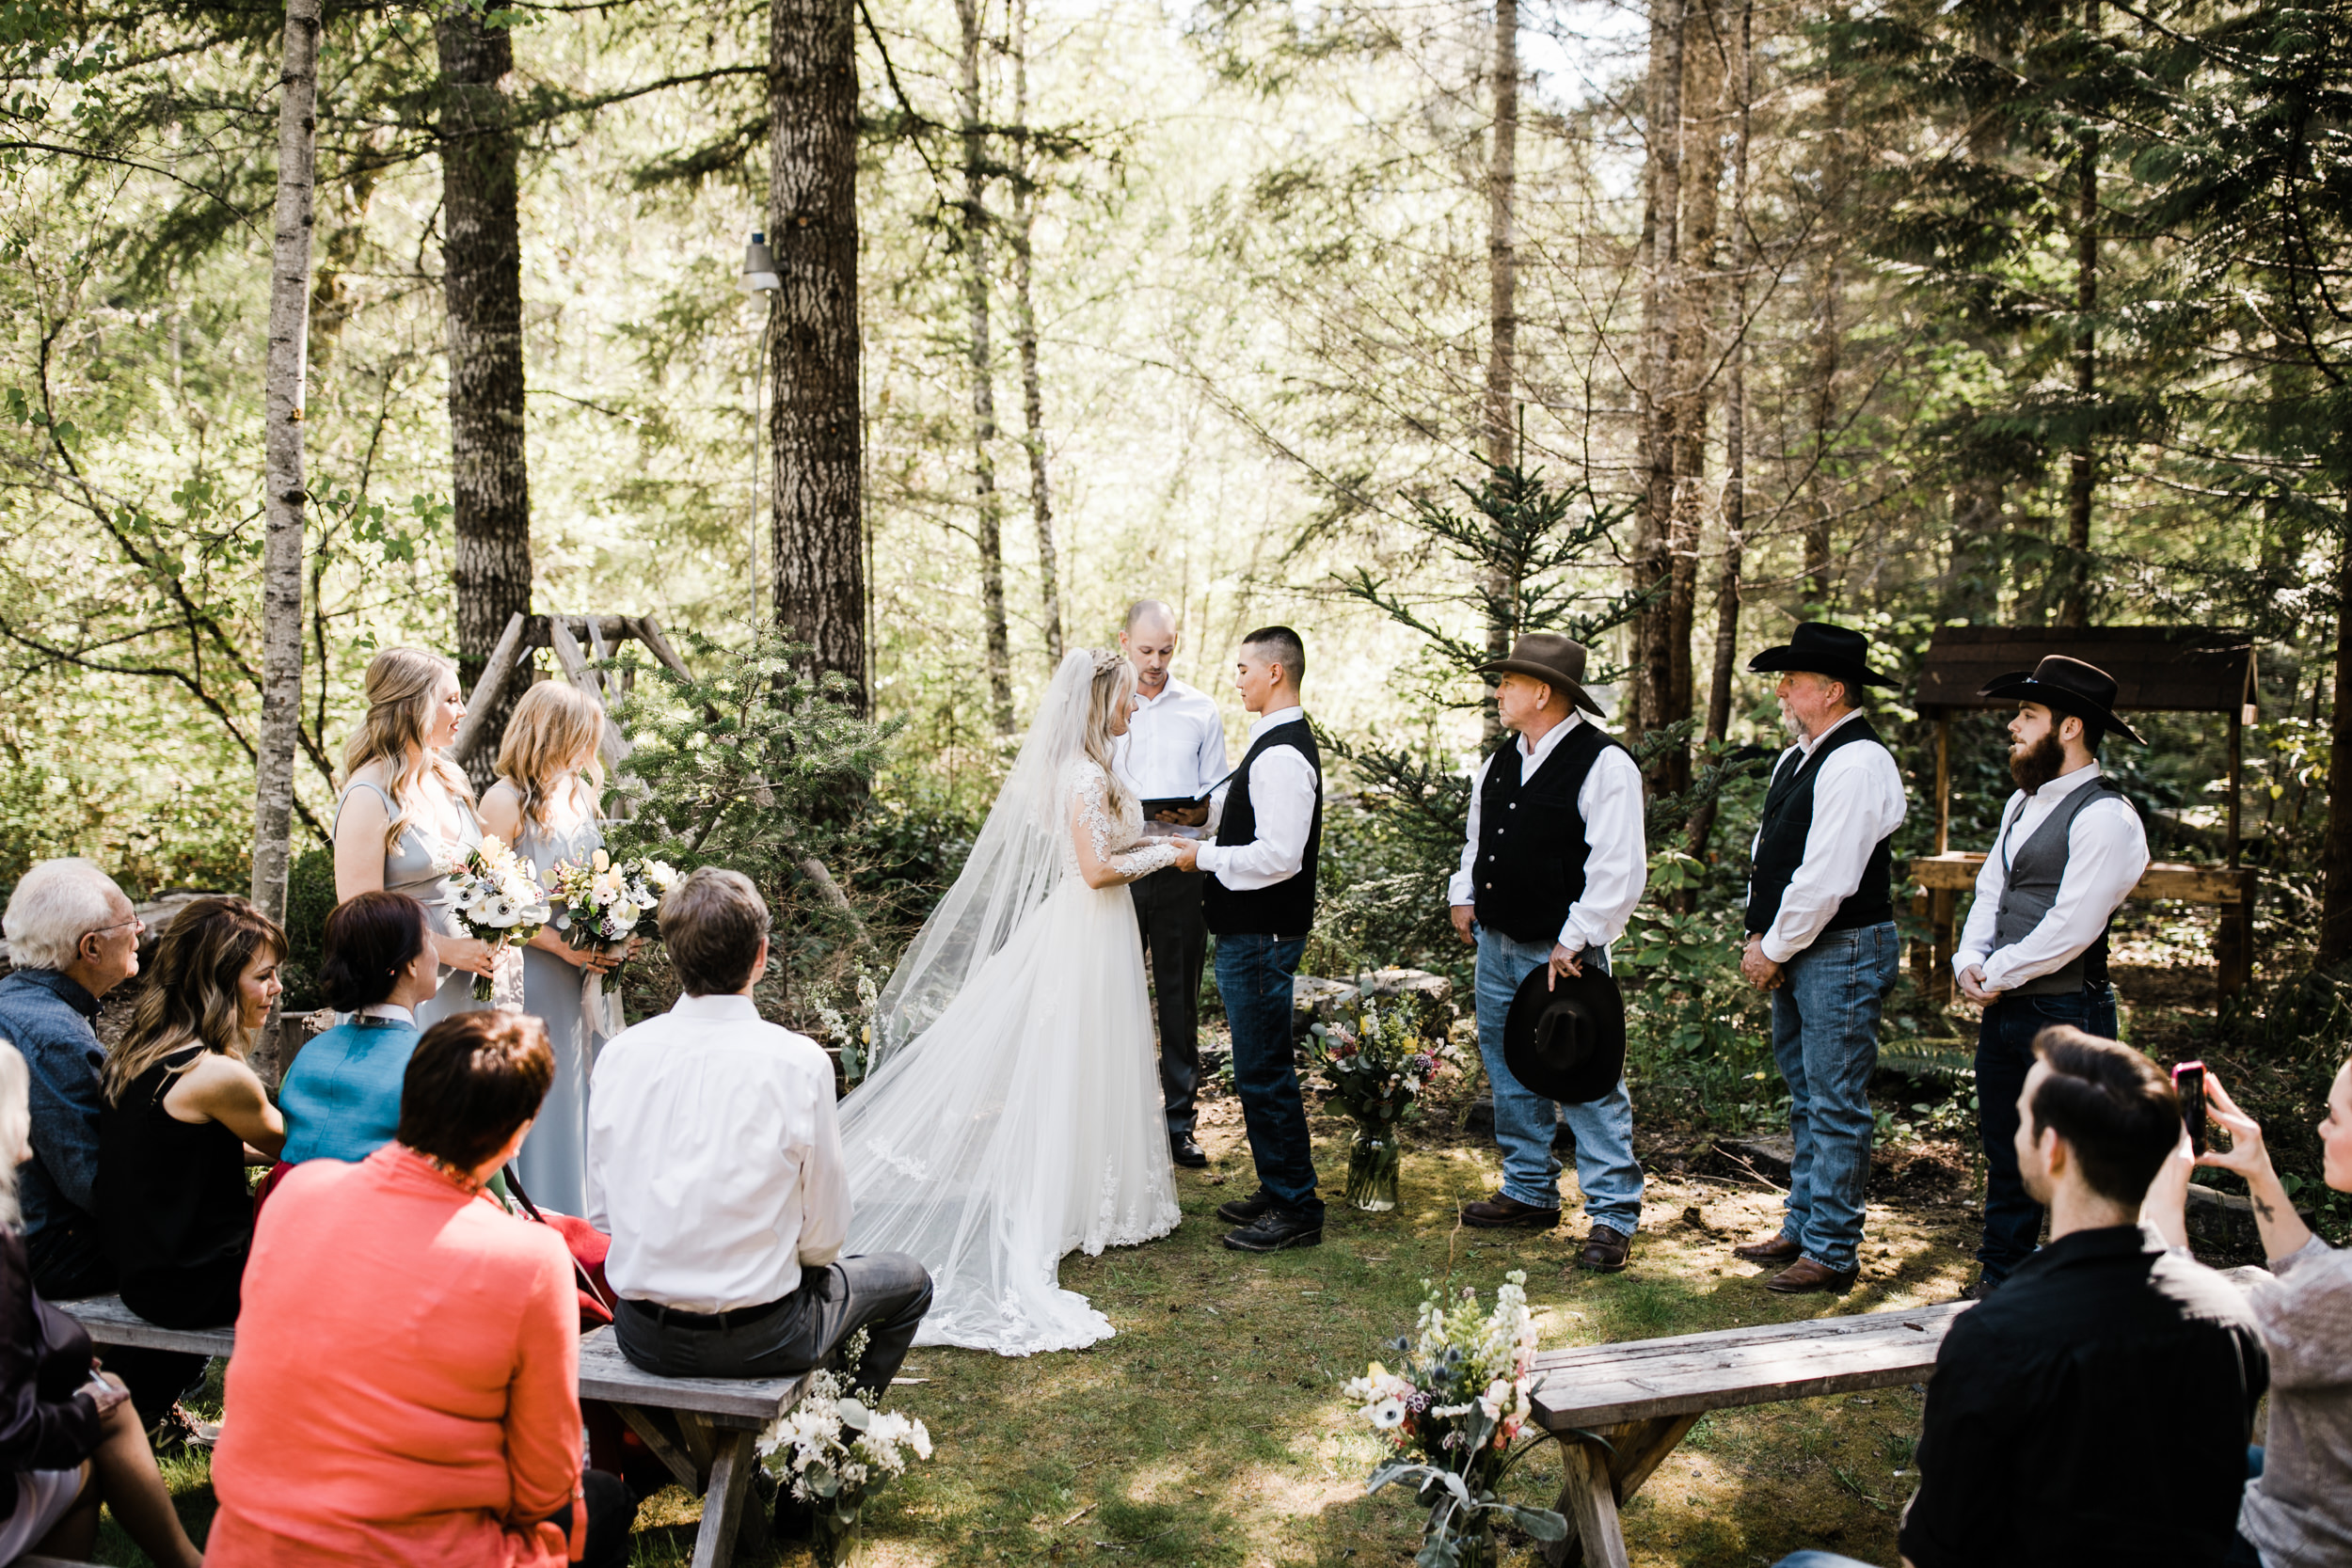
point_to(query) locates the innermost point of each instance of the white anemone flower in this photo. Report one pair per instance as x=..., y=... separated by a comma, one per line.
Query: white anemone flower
x=1388, y=1415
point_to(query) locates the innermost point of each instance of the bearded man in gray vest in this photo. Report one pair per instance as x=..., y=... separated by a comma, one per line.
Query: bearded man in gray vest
x=2034, y=952
x=1553, y=866
x=1821, y=927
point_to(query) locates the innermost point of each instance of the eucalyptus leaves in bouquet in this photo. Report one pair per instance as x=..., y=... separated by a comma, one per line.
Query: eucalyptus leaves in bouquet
x=836, y=1453
x=1453, y=1407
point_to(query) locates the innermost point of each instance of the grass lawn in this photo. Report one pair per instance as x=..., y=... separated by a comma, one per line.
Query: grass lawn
x=1211, y=1429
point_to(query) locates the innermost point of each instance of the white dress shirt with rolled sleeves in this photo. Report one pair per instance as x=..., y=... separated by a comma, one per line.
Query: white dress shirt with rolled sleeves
x=1857, y=800
x=714, y=1158
x=1616, y=865
x=1282, y=790
x=1174, y=746
x=2107, y=853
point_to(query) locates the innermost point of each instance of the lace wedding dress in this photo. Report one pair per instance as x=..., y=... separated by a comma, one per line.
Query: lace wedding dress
x=1014, y=1113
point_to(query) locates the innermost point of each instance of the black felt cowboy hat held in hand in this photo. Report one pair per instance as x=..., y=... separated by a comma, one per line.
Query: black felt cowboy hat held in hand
x=1546, y=655
x=1818, y=648
x=2066, y=686
x=1566, y=1041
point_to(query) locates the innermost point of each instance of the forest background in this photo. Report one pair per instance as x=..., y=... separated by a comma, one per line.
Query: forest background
x=1414, y=325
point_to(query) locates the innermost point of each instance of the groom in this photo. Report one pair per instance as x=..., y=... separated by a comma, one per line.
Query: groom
x=1260, y=899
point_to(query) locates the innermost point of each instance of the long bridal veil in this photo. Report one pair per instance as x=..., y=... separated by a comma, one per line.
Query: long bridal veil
x=1009, y=872
x=1014, y=1111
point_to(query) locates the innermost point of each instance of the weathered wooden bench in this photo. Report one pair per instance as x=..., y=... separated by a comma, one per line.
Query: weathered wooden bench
x=1618, y=1410
x=707, y=1442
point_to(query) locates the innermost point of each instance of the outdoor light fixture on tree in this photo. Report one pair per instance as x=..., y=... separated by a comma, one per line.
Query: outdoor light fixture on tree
x=759, y=277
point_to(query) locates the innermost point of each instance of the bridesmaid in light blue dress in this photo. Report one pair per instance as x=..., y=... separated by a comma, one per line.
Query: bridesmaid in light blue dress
x=406, y=809
x=544, y=805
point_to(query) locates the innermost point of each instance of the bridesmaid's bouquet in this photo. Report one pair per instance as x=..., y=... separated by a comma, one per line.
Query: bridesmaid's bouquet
x=597, y=906
x=495, y=896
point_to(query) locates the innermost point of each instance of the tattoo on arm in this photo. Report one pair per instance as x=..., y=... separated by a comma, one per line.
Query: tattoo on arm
x=2264, y=1210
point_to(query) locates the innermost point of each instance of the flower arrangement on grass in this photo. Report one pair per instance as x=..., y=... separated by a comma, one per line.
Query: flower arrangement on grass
x=1451, y=1410
x=495, y=896
x=1378, y=1064
x=835, y=1453
x=852, y=1032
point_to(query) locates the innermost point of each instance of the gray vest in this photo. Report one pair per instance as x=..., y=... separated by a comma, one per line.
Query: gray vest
x=2035, y=871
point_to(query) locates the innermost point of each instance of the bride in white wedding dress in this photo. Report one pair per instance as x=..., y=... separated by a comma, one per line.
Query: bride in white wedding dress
x=1013, y=1111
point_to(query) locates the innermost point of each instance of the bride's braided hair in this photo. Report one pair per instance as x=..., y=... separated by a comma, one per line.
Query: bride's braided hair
x=1112, y=693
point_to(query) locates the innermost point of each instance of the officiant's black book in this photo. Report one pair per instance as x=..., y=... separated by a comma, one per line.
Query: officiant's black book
x=1182, y=802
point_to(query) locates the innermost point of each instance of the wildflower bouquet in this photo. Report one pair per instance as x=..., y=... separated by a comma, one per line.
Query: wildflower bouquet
x=833, y=1453
x=1377, y=1067
x=495, y=896
x=852, y=1032
x=598, y=905
x=1453, y=1407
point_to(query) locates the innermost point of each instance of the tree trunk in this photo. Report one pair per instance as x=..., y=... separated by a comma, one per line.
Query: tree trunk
x=1502, y=320
x=1025, y=329
x=1661, y=212
x=1828, y=351
x=1735, y=432
x=2082, y=471
x=989, y=504
x=1692, y=372
x=815, y=435
x=284, y=498
x=2335, y=921
x=483, y=285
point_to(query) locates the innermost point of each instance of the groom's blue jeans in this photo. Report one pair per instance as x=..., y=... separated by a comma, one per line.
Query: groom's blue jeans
x=1254, y=975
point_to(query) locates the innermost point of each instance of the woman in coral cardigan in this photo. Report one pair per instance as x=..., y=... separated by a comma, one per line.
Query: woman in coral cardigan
x=406, y=1384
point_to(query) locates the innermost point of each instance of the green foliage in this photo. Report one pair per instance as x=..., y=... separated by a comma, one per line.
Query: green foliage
x=309, y=899
x=755, y=765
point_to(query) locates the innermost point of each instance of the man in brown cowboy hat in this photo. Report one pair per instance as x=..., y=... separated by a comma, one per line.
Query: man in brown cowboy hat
x=1553, y=866
x=2034, y=952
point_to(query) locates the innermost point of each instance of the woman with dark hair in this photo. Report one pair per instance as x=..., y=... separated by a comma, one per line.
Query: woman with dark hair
x=409, y=1352
x=342, y=1097
x=184, y=1115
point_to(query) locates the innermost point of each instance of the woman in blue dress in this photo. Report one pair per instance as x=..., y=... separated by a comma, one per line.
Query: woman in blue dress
x=407, y=811
x=546, y=805
x=342, y=1097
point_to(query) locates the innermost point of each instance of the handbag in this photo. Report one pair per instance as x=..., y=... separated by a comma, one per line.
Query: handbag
x=588, y=1246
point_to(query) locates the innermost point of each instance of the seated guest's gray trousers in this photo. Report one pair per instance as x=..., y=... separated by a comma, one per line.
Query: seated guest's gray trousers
x=886, y=1293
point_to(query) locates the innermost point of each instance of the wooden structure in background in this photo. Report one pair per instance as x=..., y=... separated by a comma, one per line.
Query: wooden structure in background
x=2156, y=669
x=577, y=640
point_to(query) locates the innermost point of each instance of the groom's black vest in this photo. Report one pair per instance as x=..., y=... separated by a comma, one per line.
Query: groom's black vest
x=1288, y=907
x=1531, y=837
x=1787, y=822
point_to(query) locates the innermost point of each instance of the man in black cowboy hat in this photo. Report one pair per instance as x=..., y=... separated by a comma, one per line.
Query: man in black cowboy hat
x=1553, y=866
x=1821, y=940
x=2034, y=952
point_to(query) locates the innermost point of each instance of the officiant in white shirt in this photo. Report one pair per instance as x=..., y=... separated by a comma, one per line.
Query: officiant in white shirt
x=1174, y=750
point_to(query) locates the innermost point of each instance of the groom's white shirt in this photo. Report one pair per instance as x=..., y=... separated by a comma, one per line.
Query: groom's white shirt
x=1282, y=788
x=1174, y=746
x=1616, y=865
x=714, y=1158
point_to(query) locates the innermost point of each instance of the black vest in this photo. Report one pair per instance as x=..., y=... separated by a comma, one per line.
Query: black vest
x=1531, y=837
x=1288, y=907
x=1780, y=842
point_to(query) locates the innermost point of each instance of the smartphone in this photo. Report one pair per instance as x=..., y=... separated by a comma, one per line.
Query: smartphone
x=2189, y=1079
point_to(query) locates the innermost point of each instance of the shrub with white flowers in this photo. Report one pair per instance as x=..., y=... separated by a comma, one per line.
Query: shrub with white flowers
x=834, y=1452
x=1451, y=1410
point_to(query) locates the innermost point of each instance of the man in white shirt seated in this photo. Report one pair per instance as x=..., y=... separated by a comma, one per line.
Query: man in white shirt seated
x=714, y=1160
x=1174, y=750
x=2034, y=952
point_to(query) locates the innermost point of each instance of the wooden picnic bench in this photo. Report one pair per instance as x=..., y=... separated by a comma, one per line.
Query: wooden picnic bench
x=706, y=1443
x=1618, y=1410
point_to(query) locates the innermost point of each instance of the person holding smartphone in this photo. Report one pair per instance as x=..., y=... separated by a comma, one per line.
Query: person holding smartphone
x=2034, y=951
x=2298, y=1511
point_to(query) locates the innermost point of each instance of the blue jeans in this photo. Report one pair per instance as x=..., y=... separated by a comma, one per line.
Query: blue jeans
x=1825, y=1035
x=2012, y=1220
x=1254, y=975
x=1605, y=1167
